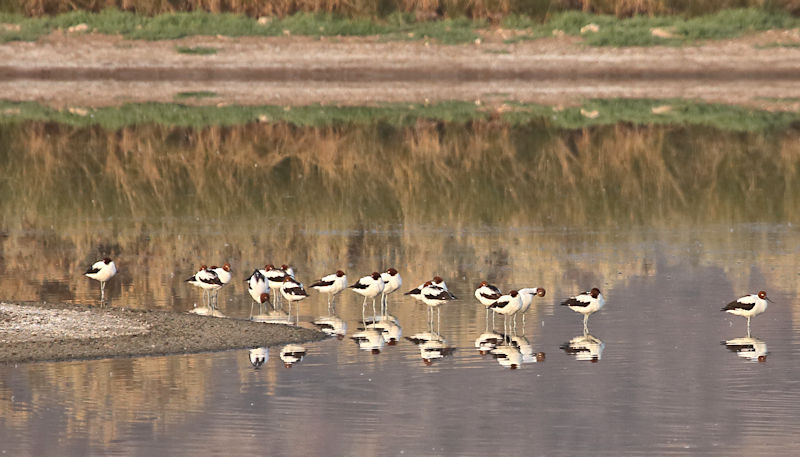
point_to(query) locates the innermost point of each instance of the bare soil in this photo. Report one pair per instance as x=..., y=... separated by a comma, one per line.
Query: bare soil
x=92, y=70
x=53, y=331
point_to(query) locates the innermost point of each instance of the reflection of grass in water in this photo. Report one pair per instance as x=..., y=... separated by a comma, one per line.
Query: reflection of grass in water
x=198, y=50
x=635, y=111
x=196, y=94
x=461, y=173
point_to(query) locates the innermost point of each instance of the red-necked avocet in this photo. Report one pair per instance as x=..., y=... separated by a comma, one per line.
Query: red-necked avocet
x=291, y=354
x=586, y=303
x=434, y=296
x=369, y=287
x=256, y=287
x=487, y=294
x=274, y=277
x=748, y=306
x=263, y=301
x=224, y=275
x=507, y=305
x=527, y=295
x=258, y=356
x=206, y=279
x=416, y=293
x=102, y=271
x=331, y=285
x=293, y=291
x=392, y=281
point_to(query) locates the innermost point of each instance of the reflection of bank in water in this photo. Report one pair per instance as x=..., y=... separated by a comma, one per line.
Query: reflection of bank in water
x=748, y=348
x=585, y=347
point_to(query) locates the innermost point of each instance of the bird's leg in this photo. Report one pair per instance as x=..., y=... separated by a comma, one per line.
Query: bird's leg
x=329, y=304
x=373, y=310
x=486, y=322
x=363, y=308
x=493, y=313
x=585, y=324
x=251, y=309
x=289, y=315
x=523, y=324
x=438, y=321
x=748, y=327
x=102, y=292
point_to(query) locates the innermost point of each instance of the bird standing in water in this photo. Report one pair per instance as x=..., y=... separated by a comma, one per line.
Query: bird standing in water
x=102, y=271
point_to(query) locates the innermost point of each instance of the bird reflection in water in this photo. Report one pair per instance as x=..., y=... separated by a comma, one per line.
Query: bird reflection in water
x=292, y=354
x=332, y=325
x=585, y=347
x=432, y=346
x=369, y=339
x=488, y=341
x=258, y=357
x=748, y=348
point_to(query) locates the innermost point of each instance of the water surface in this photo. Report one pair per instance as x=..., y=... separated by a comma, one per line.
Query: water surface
x=669, y=222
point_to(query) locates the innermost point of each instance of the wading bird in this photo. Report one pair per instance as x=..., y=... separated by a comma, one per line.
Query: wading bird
x=102, y=271
x=331, y=284
x=586, y=303
x=748, y=306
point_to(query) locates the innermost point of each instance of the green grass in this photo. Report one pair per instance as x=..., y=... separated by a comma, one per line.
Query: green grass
x=195, y=94
x=196, y=50
x=614, y=111
x=613, y=31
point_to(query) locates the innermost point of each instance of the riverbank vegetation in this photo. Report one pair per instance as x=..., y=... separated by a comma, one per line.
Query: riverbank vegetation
x=594, y=28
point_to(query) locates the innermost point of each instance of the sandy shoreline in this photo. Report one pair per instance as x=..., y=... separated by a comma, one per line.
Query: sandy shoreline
x=99, y=70
x=51, y=331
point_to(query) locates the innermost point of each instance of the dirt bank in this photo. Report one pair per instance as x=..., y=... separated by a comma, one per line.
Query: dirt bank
x=45, y=331
x=99, y=70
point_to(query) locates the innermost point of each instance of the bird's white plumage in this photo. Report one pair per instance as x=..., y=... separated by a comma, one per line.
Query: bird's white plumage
x=392, y=282
x=292, y=290
x=434, y=296
x=369, y=286
x=257, y=285
x=102, y=270
x=330, y=284
x=487, y=294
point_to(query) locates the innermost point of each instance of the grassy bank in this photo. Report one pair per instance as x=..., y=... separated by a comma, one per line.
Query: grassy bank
x=476, y=9
x=591, y=113
x=603, y=30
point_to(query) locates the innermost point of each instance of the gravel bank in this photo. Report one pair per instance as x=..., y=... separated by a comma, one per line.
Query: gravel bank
x=45, y=331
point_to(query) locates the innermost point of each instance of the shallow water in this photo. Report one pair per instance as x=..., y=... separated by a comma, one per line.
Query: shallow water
x=667, y=251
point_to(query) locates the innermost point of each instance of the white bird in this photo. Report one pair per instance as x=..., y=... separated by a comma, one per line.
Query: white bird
x=368, y=287
x=439, y=282
x=206, y=279
x=262, y=299
x=392, y=281
x=416, y=293
x=586, y=303
x=291, y=354
x=257, y=285
x=224, y=275
x=293, y=291
x=507, y=305
x=748, y=306
x=527, y=294
x=274, y=277
x=585, y=347
x=487, y=294
x=331, y=284
x=258, y=356
x=435, y=296
x=102, y=271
